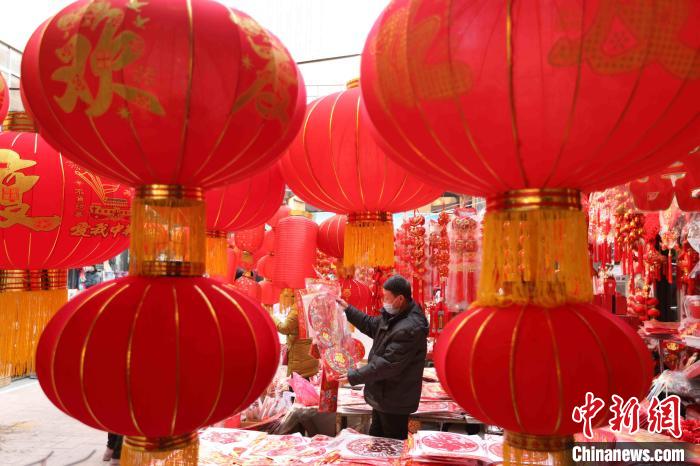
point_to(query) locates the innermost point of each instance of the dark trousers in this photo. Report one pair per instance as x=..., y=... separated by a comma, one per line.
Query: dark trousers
x=389, y=425
x=114, y=442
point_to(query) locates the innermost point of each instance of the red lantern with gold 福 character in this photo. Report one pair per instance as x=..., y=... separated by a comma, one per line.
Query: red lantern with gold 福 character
x=54, y=215
x=4, y=98
x=109, y=82
x=335, y=163
x=239, y=206
x=610, y=110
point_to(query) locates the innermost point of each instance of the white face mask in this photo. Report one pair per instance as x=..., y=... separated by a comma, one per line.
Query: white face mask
x=390, y=309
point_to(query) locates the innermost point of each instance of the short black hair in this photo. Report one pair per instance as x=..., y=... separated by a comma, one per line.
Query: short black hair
x=398, y=286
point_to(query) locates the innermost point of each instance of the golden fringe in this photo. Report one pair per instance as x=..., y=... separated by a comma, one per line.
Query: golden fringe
x=535, y=257
x=187, y=456
x=23, y=316
x=369, y=244
x=169, y=230
x=554, y=455
x=217, y=263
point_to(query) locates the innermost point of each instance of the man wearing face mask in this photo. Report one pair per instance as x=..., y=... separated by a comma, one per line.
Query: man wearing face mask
x=394, y=371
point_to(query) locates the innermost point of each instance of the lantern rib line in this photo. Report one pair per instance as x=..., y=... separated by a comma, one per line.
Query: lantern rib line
x=461, y=325
x=178, y=361
x=214, y=177
x=462, y=117
x=70, y=255
x=238, y=307
x=472, y=356
x=188, y=92
x=511, y=92
x=511, y=366
x=331, y=152
x=358, y=162
x=63, y=206
x=231, y=112
x=428, y=127
x=106, y=147
x=215, y=318
x=129, y=346
x=240, y=210
x=215, y=224
x=557, y=367
x=54, y=350
x=29, y=249
x=83, y=353
x=7, y=251
x=577, y=171
x=42, y=89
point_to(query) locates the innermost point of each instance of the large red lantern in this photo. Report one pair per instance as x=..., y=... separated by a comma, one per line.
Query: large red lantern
x=336, y=164
x=331, y=236
x=137, y=369
x=295, y=252
x=54, y=215
x=4, y=98
x=356, y=293
x=239, y=206
x=540, y=364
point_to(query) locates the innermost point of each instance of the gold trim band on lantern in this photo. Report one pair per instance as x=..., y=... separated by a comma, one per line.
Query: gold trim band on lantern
x=353, y=83
x=172, y=269
x=19, y=122
x=156, y=192
x=156, y=444
x=217, y=234
x=535, y=199
x=543, y=443
x=355, y=217
x=33, y=280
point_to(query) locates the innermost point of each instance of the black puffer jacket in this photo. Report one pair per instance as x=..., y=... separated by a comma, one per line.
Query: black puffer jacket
x=394, y=371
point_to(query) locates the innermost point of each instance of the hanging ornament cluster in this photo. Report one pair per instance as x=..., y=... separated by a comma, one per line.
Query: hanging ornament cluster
x=643, y=305
x=130, y=99
x=440, y=252
x=417, y=253
x=629, y=233
x=688, y=260
x=325, y=265
x=464, y=243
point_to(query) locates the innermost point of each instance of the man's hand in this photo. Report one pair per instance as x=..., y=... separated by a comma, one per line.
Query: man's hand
x=341, y=303
x=343, y=380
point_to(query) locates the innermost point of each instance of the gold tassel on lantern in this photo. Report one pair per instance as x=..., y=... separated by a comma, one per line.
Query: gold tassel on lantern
x=369, y=240
x=28, y=300
x=182, y=450
x=519, y=449
x=217, y=259
x=535, y=250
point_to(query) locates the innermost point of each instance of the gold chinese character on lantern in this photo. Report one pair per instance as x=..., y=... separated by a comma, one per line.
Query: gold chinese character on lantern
x=81, y=229
x=13, y=186
x=99, y=230
x=113, y=52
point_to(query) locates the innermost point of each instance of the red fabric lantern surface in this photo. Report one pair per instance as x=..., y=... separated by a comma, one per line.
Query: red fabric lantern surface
x=248, y=287
x=270, y=295
x=613, y=101
x=652, y=193
x=331, y=236
x=295, y=251
x=282, y=212
x=343, y=169
x=233, y=259
x=535, y=371
x=250, y=240
x=268, y=242
x=265, y=266
x=246, y=204
x=4, y=98
x=688, y=186
x=137, y=369
x=55, y=214
x=154, y=112
x=356, y=293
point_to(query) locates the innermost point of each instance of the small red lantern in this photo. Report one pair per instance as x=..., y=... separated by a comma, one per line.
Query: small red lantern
x=295, y=251
x=356, y=293
x=137, y=369
x=270, y=294
x=249, y=241
x=331, y=236
x=249, y=287
x=282, y=212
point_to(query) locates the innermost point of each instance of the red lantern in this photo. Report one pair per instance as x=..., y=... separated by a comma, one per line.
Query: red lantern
x=250, y=240
x=248, y=287
x=540, y=364
x=355, y=293
x=265, y=266
x=233, y=259
x=295, y=251
x=652, y=193
x=113, y=117
x=4, y=98
x=331, y=236
x=282, y=212
x=137, y=369
x=336, y=164
x=270, y=295
x=609, y=110
x=269, y=242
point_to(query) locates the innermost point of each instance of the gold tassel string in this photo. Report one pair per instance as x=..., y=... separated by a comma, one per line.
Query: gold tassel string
x=217, y=259
x=169, y=451
x=369, y=240
x=537, y=256
x=522, y=449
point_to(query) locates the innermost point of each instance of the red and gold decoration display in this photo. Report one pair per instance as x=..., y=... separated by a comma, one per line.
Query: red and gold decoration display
x=249, y=241
x=464, y=269
x=417, y=255
x=111, y=84
x=614, y=103
x=54, y=215
x=4, y=98
x=356, y=293
x=239, y=206
x=336, y=164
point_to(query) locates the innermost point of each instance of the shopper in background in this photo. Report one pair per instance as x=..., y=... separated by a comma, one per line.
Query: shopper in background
x=114, y=448
x=299, y=357
x=92, y=276
x=393, y=376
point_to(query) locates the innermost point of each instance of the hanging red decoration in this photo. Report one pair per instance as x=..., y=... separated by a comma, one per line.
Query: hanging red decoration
x=4, y=98
x=269, y=241
x=249, y=287
x=355, y=293
x=269, y=294
x=156, y=349
x=265, y=266
x=336, y=164
x=282, y=212
x=112, y=118
x=526, y=344
x=652, y=193
x=249, y=241
x=331, y=236
x=295, y=251
x=417, y=256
